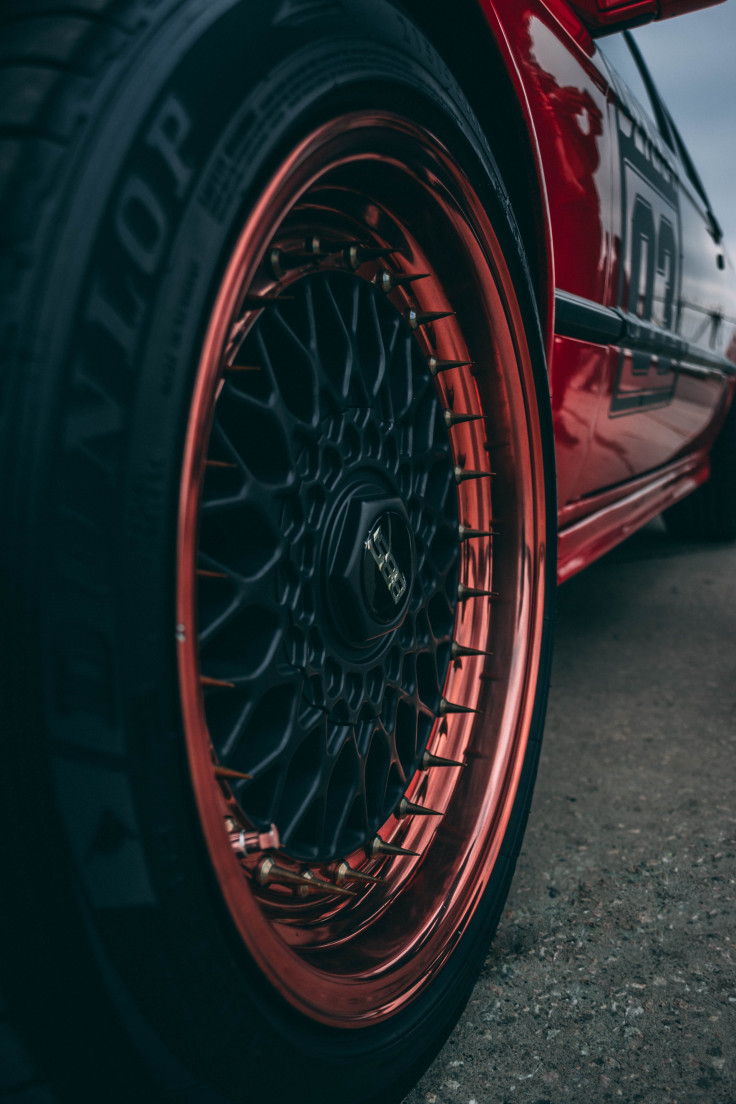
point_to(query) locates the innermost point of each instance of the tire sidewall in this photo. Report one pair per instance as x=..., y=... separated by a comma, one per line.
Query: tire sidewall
x=148, y=224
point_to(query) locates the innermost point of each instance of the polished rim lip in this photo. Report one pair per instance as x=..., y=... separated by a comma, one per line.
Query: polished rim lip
x=368, y=995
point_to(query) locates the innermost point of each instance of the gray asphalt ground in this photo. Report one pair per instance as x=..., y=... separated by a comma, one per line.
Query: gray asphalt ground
x=613, y=973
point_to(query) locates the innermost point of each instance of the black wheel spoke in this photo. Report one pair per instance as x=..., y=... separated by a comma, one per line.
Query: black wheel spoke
x=337, y=423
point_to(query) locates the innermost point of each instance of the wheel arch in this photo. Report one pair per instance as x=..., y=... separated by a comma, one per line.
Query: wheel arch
x=497, y=95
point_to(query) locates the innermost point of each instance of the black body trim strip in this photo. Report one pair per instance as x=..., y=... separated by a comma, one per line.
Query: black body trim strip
x=588, y=321
x=576, y=317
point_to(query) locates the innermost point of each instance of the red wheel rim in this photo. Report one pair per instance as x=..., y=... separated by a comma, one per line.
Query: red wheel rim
x=352, y=961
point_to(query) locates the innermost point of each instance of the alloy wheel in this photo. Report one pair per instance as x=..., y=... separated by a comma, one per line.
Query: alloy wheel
x=360, y=568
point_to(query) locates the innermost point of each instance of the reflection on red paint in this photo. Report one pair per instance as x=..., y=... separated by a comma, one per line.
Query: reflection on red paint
x=617, y=415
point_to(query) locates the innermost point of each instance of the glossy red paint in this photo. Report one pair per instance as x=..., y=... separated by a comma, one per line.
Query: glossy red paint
x=568, y=113
x=495, y=17
x=608, y=15
x=611, y=517
x=624, y=420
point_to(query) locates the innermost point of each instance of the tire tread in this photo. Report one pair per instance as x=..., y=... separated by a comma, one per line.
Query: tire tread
x=53, y=56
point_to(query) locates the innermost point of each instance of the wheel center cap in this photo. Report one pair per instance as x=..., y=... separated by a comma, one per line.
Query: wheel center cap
x=370, y=566
x=387, y=559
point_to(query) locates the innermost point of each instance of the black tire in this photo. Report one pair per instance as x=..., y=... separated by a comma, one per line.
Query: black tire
x=135, y=140
x=709, y=513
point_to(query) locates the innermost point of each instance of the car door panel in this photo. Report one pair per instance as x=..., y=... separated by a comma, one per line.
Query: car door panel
x=664, y=285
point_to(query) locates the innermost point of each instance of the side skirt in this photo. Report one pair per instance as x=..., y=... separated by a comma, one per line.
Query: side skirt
x=614, y=515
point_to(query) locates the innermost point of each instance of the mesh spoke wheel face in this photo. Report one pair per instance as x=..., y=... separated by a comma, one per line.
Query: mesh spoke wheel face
x=360, y=568
x=329, y=542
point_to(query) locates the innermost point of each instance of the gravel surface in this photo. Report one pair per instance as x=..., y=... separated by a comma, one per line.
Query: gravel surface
x=613, y=973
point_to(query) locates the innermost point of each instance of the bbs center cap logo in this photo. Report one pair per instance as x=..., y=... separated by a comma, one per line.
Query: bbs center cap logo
x=386, y=564
x=380, y=549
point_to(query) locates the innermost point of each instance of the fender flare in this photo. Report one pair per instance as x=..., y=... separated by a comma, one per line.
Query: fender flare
x=498, y=97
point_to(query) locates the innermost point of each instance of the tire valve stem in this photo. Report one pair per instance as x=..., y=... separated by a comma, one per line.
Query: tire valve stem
x=452, y=419
x=222, y=464
x=390, y=280
x=345, y=873
x=417, y=318
x=460, y=650
x=429, y=760
x=408, y=808
x=270, y=872
x=204, y=573
x=377, y=846
x=462, y=474
x=466, y=592
x=452, y=707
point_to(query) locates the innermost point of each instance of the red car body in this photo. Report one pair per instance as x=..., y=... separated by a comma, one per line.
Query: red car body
x=641, y=373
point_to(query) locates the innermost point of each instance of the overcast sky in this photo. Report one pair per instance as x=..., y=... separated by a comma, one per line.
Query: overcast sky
x=692, y=59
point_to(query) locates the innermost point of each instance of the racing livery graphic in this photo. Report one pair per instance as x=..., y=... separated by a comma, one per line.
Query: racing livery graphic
x=649, y=275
